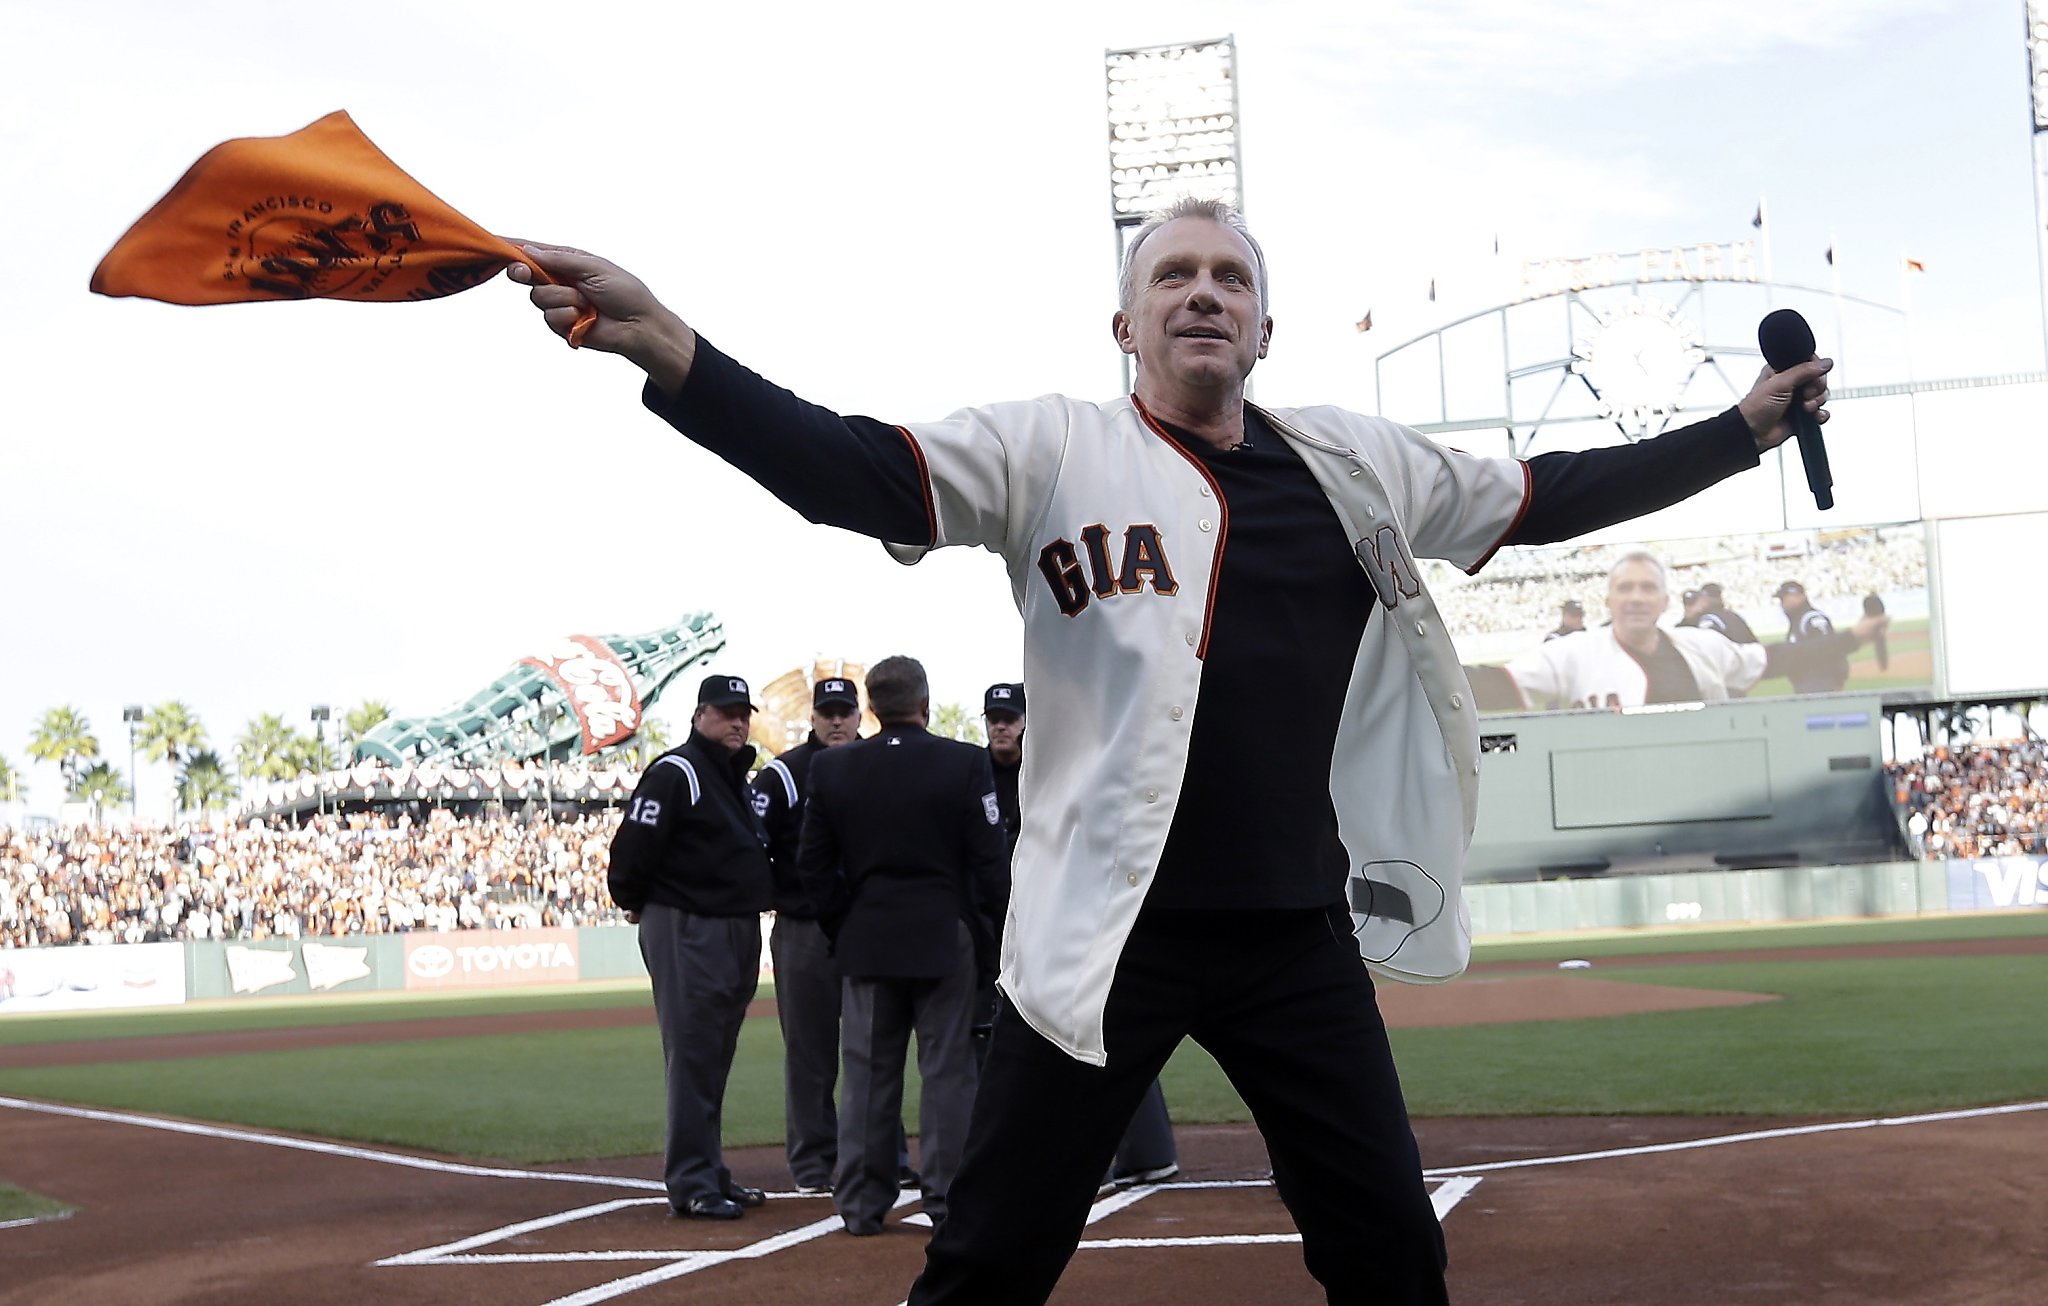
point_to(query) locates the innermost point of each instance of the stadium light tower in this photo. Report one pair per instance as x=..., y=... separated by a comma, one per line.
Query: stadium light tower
x=1172, y=131
x=132, y=714
x=321, y=715
x=2037, y=72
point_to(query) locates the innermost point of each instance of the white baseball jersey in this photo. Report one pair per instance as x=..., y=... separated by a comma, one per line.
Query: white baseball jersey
x=1594, y=670
x=1112, y=534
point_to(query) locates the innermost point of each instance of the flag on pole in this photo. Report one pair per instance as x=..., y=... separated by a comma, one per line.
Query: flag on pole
x=1830, y=256
x=1758, y=220
x=1365, y=323
x=1915, y=265
x=320, y=213
x=1432, y=290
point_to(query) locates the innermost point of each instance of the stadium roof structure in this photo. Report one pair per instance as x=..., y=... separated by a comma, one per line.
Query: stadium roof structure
x=577, y=698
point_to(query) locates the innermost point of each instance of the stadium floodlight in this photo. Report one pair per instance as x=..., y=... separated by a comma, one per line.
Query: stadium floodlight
x=1172, y=126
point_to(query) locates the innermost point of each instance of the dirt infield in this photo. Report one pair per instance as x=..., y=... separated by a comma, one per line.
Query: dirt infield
x=1942, y=1210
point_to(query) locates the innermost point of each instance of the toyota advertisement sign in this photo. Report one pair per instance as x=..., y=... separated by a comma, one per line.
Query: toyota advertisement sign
x=481, y=959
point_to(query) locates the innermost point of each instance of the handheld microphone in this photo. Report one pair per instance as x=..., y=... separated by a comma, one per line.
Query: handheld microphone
x=1787, y=342
x=1872, y=606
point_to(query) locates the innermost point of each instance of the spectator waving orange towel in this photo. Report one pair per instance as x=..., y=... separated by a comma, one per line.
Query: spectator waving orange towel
x=317, y=214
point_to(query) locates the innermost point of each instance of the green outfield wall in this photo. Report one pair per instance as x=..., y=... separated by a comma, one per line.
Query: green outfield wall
x=166, y=974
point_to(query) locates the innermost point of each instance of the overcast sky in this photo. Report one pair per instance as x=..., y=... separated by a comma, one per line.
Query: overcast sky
x=896, y=210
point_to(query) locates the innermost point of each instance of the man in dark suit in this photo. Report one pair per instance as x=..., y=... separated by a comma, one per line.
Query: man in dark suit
x=902, y=852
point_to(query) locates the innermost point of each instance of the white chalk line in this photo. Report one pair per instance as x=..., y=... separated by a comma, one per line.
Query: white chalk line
x=1790, y=1131
x=35, y=1219
x=329, y=1149
x=695, y=1261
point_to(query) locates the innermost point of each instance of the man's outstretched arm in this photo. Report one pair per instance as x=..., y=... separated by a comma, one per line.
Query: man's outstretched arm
x=852, y=472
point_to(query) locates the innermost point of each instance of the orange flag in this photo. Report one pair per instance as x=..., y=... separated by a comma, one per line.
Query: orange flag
x=318, y=214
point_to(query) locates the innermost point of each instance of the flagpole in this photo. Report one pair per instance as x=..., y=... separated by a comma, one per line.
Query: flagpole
x=1835, y=266
x=1906, y=270
x=1762, y=223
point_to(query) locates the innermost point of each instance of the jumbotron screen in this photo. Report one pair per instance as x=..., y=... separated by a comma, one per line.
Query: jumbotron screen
x=1570, y=625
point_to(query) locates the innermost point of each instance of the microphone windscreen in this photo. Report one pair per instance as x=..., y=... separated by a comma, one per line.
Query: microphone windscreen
x=1785, y=339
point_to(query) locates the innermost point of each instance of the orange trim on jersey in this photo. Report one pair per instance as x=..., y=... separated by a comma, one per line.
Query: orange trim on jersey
x=1528, y=490
x=924, y=482
x=1222, y=522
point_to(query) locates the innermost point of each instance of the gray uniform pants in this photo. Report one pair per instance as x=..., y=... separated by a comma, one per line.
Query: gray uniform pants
x=876, y=1020
x=807, y=1000
x=705, y=970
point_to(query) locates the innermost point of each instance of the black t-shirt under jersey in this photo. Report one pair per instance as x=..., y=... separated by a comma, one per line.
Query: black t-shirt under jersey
x=1255, y=826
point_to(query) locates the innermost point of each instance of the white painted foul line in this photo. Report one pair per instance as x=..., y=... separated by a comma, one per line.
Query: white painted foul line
x=1760, y=1135
x=328, y=1149
x=35, y=1219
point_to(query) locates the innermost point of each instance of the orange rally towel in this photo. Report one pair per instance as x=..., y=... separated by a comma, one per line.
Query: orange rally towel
x=318, y=214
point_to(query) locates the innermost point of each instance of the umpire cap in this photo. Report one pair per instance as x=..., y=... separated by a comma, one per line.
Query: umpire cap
x=1790, y=587
x=725, y=691
x=835, y=691
x=1004, y=698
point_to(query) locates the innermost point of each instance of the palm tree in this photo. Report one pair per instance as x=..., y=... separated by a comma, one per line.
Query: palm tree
x=65, y=737
x=170, y=732
x=10, y=781
x=359, y=721
x=204, y=784
x=954, y=722
x=650, y=741
x=269, y=749
x=102, y=785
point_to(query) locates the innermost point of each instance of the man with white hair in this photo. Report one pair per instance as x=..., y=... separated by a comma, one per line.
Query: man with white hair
x=1183, y=560
x=1635, y=660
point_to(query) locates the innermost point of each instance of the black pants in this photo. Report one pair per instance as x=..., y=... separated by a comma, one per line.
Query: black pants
x=1283, y=1003
x=705, y=970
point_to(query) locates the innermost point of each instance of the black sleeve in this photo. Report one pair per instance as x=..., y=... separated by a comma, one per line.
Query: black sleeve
x=818, y=858
x=1573, y=493
x=777, y=816
x=1816, y=655
x=986, y=855
x=657, y=809
x=853, y=472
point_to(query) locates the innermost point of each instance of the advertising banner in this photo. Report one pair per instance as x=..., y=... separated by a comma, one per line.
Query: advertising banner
x=597, y=685
x=323, y=965
x=1997, y=883
x=1626, y=625
x=473, y=959
x=83, y=977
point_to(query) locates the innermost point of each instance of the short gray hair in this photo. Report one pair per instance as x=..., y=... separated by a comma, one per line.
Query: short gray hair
x=1220, y=212
x=1641, y=555
x=897, y=688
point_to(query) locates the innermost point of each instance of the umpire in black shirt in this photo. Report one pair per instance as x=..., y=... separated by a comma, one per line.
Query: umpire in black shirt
x=902, y=850
x=690, y=865
x=806, y=981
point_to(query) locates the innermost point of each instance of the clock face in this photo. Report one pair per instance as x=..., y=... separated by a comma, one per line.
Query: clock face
x=1637, y=362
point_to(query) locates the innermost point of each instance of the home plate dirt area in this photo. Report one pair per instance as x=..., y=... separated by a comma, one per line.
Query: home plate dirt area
x=1936, y=1209
x=1939, y=1208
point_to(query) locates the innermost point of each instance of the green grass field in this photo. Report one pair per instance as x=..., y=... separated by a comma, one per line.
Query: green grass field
x=1848, y=1035
x=17, y=1204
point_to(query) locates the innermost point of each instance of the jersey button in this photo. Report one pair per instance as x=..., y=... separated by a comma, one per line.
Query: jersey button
x=1418, y=628
x=1206, y=494
x=1151, y=795
x=1175, y=714
x=1191, y=639
x=1205, y=524
x=1457, y=701
x=1133, y=879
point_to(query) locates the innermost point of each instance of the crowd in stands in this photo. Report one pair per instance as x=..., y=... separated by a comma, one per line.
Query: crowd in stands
x=363, y=874
x=1975, y=800
x=1522, y=590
